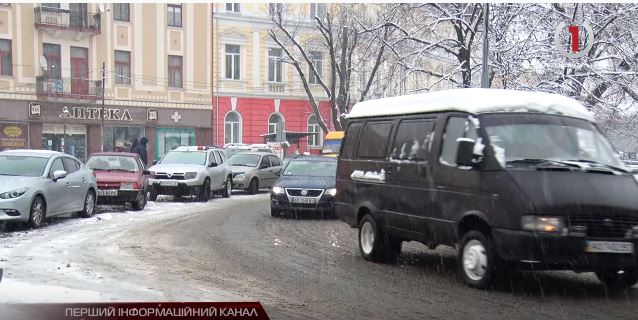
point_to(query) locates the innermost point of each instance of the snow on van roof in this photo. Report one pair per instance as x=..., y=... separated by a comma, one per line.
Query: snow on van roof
x=473, y=100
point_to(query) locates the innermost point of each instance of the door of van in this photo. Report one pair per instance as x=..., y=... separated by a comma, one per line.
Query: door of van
x=410, y=179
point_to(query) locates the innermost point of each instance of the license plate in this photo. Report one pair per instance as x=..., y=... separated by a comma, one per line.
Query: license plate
x=609, y=247
x=303, y=200
x=107, y=193
x=168, y=183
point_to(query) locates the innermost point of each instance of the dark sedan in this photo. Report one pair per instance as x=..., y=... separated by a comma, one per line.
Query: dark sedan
x=307, y=184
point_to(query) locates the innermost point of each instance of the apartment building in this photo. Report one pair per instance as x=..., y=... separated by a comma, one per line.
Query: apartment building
x=157, y=76
x=257, y=96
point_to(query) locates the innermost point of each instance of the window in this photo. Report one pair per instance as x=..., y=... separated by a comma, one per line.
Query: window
x=51, y=5
x=313, y=126
x=122, y=67
x=175, y=71
x=232, y=128
x=214, y=157
x=6, y=63
x=276, y=126
x=373, y=140
x=275, y=7
x=317, y=10
x=456, y=128
x=316, y=58
x=233, y=7
x=264, y=162
x=174, y=15
x=233, y=60
x=121, y=12
x=350, y=140
x=120, y=139
x=70, y=165
x=56, y=166
x=51, y=53
x=274, y=161
x=274, y=65
x=412, y=139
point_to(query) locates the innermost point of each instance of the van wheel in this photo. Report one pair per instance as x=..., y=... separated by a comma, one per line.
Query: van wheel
x=614, y=280
x=477, y=260
x=375, y=245
x=38, y=213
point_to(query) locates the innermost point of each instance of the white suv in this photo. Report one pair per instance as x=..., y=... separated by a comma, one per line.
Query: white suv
x=187, y=171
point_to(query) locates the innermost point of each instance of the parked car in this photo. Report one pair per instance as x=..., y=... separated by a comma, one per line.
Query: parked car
x=121, y=178
x=306, y=184
x=502, y=175
x=37, y=184
x=632, y=164
x=191, y=171
x=232, y=148
x=254, y=170
x=261, y=147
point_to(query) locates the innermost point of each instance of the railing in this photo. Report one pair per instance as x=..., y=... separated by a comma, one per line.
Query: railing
x=66, y=19
x=69, y=88
x=276, y=87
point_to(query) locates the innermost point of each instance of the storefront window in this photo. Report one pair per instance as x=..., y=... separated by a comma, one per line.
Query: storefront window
x=69, y=138
x=120, y=139
x=169, y=138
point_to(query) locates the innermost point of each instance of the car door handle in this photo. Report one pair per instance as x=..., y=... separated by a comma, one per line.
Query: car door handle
x=83, y=179
x=68, y=184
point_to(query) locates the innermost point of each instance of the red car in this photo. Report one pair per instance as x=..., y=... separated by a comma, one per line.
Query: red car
x=121, y=178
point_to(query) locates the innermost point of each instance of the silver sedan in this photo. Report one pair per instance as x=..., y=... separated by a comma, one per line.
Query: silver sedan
x=254, y=170
x=36, y=184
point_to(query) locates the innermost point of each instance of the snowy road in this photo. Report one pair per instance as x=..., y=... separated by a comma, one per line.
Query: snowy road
x=231, y=249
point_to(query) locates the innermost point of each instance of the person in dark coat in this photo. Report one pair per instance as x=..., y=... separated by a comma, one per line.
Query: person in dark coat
x=141, y=150
x=134, y=145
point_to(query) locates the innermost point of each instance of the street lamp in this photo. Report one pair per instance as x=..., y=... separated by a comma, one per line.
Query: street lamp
x=65, y=115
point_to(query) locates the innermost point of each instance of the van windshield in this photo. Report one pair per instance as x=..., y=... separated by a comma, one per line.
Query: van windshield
x=558, y=140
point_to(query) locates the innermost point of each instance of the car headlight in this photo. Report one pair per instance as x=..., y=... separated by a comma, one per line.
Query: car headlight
x=13, y=193
x=240, y=176
x=277, y=190
x=190, y=175
x=152, y=174
x=331, y=192
x=542, y=224
x=127, y=186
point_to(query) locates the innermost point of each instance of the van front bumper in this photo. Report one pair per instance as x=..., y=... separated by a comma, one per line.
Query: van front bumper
x=559, y=252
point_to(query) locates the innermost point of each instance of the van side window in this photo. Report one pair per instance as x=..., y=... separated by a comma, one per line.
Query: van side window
x=373, y=140
x=350, y=140
x=411, y=142
x=457, y=127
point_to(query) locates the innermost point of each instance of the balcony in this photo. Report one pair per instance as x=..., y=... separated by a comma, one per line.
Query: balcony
x=63, y=23
x=275, y=87
x=69, y=88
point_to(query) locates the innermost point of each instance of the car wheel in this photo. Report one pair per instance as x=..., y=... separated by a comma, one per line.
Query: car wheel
x=274, y=212
x=89, y=205
x=140, y=202
x=477, y=260
x=228, y=188
x=37, y=214
x=204, y=194
x=253, y=186
x=615, y=279
x=374, y=245
x=152, y=195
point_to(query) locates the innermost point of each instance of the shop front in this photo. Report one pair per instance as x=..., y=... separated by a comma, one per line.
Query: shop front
x=76, y=129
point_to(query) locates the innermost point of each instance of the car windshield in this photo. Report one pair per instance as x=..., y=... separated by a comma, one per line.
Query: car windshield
x=22, y=166
x=113, y=163
x=232, y=151
x=184, y=157
x=244, y=159
x=551, y=140
x=312, y=168
x=331, y=146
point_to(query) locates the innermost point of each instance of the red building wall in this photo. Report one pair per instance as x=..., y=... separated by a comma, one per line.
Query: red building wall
x=255, y=113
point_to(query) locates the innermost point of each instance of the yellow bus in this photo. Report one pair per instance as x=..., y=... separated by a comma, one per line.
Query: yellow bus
x=332, y=143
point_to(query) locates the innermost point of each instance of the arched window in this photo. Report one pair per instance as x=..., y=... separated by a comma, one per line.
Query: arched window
x=276, y=125
x=313, y=126
x=232, y=127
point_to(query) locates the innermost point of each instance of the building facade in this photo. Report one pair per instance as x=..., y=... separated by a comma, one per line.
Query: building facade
x=55, y=93
x=257, y=96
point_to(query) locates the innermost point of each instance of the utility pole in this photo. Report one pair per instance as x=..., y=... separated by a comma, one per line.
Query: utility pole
x=102, y=115
x=485, y=75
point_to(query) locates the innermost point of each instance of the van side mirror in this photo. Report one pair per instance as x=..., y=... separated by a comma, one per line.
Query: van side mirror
x=59, y=174
x=465, y=152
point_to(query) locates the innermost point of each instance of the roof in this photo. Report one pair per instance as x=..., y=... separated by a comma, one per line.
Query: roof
x=122, y=154
x=290, y=134
x=474, y=101
x=195, y=148
x=255, y=153
x=31, y=153
x=314, y=158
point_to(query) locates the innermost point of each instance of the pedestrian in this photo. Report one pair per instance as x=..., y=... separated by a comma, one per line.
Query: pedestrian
x=134, y=145
x=141, y=150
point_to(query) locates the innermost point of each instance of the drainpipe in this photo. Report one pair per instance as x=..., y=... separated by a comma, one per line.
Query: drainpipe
x=216, y=91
